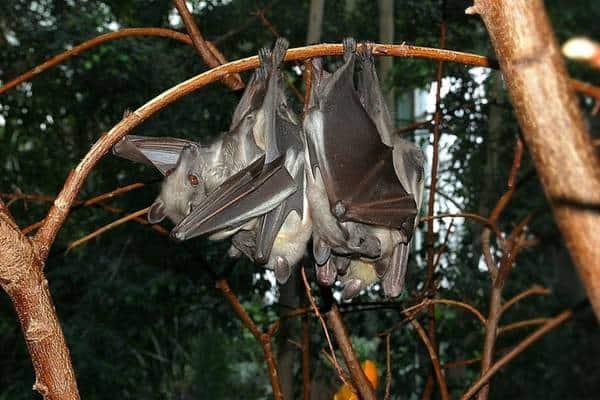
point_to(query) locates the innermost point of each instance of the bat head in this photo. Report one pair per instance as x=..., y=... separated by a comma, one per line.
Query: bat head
x=183, y=187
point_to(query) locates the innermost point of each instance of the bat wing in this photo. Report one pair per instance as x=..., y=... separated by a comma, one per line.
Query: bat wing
x=357, y=168
x=370, y=95
x=248, y=194
x=253, y=94
x=160, y=152
x=282, y=138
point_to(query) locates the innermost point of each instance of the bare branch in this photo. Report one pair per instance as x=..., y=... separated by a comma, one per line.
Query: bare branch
x=528, y=341
x=211, y=56
x=262, y=338
x=535, y=289
x=361, y=383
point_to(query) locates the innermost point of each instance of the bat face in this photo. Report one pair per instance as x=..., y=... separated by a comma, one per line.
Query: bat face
x=183, y=187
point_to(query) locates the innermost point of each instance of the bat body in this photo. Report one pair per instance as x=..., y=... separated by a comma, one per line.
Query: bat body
x=364, y=184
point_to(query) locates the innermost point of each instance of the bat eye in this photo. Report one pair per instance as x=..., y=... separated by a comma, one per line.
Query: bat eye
x=169, y=172
x=193, y=179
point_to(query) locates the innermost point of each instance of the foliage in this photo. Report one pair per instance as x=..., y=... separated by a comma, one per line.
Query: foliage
x=141, y=314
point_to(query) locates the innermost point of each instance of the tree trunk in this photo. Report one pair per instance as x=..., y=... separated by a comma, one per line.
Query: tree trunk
x=386, y=35
x=552, y=125
x=315, y=21
x=22, y=278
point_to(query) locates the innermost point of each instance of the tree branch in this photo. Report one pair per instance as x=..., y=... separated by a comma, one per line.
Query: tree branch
x=528, y=341
x=211, y=56
x=22, y=278
x=263, y=338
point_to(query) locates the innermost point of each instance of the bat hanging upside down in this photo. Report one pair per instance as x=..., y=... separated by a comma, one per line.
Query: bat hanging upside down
x=358, y=196
x=248, y=184
x=364, y=183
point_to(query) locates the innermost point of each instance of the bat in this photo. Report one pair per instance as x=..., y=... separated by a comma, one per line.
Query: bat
x=200, y=168
x=364, y=184
x=193, y=171
x=282, y=226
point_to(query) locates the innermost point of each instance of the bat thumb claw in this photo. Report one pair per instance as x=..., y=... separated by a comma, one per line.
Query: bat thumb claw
x=177, y=236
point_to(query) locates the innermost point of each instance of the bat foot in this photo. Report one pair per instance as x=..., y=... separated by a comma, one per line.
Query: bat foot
x=352, y=288
x=327, y=273
x=321, y=251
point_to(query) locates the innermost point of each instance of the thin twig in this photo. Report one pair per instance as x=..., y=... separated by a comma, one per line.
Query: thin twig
x=522, y=324
x=534, y=290
x=437, y=133
x=262, y=338
x=435, y=362
x=388, y=366
x=106, y=228
x=528, y=341
x=313, y=304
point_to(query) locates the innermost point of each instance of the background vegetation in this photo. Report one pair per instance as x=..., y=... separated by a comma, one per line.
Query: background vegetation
x=141, y=314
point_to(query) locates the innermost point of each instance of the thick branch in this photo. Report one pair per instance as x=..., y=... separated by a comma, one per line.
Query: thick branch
x=552, y=126
x=22, y=278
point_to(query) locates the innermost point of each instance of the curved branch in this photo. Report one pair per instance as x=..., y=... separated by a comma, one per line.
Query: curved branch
x=107, y=37
x=60, y=209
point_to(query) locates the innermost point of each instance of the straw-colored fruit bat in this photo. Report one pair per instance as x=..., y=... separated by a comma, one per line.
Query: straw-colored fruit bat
x=364, y=183
x=249, y=183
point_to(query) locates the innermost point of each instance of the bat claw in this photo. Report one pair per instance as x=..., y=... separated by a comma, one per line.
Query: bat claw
x=177, y=236
x=327, y=273
x=321, y=251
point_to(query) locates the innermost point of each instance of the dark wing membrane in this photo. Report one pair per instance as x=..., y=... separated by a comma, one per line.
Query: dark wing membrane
x=269, y=224
x=370, y=94
x=248, y=194
x=357, y=168
x=160, y=152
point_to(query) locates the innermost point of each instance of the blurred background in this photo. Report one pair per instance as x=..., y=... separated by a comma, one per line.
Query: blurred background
x=141, y=314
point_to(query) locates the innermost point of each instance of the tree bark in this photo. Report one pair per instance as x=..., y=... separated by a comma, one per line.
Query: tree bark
x=552, y=125
x=22, y=278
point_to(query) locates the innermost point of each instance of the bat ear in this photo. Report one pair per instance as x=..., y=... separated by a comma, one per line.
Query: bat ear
x=157, y=212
